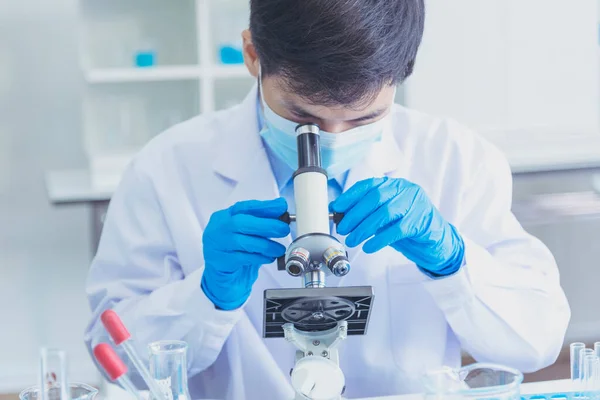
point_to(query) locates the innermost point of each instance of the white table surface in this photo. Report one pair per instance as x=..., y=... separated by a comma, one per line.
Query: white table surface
x=559, y=386
x=563, y=385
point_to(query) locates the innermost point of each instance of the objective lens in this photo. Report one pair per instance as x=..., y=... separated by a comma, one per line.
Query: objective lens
x=297, y=261
x=336, y=261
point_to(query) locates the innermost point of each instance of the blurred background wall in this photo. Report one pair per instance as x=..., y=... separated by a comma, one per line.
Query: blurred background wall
x=85, y=83
x=44, y=250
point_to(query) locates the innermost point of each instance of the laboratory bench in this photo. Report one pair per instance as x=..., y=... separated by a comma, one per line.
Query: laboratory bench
x=556, y=386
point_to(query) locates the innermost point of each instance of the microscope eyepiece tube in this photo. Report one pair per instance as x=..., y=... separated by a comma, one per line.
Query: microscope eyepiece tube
x=310, y=183
x=309, y=146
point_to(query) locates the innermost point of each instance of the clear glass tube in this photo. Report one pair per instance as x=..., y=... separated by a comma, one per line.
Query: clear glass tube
x=575, y=360
x=155, y=390
x=582, y=355
x=53, y=374
x=591, y=372
x=168, y=366
x=597, y=348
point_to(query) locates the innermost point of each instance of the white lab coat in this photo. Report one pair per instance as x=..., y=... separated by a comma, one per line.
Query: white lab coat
x=505, y=305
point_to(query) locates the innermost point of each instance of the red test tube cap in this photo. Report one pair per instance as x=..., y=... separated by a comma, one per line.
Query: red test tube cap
x=115, y=327
x=110, y=361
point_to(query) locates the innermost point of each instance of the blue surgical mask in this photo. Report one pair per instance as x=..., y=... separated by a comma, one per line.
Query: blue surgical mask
x=339, y=151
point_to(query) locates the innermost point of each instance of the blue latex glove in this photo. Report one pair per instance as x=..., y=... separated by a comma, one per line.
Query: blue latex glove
x=236, y=244
x=398, y=213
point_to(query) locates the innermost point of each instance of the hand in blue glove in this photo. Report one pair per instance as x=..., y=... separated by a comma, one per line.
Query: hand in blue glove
x=236, y=244
x=398, y=213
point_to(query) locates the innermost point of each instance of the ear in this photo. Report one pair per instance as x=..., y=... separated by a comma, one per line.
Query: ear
x=250, y=56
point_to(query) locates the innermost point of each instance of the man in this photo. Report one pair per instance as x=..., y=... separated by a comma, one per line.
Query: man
x=192, y=232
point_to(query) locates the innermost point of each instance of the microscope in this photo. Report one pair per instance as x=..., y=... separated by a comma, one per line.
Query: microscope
x=315, y=318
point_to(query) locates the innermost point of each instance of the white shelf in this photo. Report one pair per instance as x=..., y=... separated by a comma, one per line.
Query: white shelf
x=124, y=105
x=170, y=73
x=228, y=71
x=148, y=74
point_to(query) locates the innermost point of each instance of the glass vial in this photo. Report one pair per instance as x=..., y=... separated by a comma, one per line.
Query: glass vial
x=168, y=366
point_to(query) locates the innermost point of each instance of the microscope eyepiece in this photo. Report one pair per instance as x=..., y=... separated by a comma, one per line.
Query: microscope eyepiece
x=307, y=128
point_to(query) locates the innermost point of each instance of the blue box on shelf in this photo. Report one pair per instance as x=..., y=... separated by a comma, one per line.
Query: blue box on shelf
x=145, y=59
x=231, y=55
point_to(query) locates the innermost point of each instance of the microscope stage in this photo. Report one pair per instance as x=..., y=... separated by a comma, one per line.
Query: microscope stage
x=317, y=309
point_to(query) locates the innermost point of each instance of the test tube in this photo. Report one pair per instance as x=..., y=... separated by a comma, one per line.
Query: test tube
x=597, y=348
x=591, y=373
x=576, y=360
x=583, y=381
x=53, y=372
x=115, y=368
x=121, y=336
x=582, y=355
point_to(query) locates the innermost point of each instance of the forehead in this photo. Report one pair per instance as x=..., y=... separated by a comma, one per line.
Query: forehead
x=292, y=101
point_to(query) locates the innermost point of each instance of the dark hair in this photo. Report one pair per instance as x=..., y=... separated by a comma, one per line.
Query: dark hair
x=339, y=52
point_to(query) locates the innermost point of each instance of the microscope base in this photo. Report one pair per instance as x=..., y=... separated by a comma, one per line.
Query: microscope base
x=317, y=373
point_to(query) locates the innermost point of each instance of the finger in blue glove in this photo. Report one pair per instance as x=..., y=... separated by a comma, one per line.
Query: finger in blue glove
x=236, y=243
x=397, y=213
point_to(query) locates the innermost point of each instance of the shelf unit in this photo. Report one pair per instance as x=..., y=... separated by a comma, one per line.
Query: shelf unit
x=122, y=102
x=122, y=75
x=167, y=73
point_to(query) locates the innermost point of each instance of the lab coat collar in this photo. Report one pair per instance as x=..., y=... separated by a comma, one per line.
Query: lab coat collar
x=240, y=142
